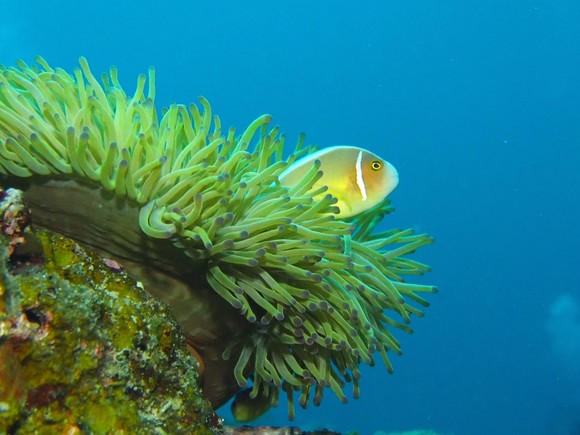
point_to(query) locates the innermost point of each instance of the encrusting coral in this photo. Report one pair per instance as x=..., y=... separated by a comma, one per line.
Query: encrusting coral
x=308, y=297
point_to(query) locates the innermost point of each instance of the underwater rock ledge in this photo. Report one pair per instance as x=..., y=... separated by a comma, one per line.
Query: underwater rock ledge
x=82, y=348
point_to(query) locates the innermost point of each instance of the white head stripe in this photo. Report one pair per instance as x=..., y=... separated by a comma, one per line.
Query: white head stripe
x=359, y=177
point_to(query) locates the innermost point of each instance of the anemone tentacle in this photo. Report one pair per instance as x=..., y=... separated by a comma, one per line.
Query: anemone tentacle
x=322, y=295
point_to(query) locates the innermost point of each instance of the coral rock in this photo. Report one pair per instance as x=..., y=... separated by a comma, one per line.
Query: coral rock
x=83, y=349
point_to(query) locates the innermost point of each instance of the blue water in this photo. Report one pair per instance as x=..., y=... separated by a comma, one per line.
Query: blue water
x=477, y=104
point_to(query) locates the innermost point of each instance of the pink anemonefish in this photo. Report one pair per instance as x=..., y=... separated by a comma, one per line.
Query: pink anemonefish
x=358, y=178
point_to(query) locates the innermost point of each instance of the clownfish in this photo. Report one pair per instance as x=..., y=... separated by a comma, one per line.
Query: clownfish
x=357, y=178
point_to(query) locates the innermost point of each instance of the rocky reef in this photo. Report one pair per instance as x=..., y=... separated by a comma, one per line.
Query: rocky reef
x=83, y=348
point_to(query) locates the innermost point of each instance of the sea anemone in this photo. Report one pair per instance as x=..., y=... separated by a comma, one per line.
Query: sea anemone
x=307, y=297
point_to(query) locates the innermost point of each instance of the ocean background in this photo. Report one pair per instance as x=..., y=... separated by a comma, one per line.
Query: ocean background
x=477, y=104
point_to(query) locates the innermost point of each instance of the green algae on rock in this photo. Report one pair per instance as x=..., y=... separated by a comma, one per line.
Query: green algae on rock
x=279, y=294
x=85, y=350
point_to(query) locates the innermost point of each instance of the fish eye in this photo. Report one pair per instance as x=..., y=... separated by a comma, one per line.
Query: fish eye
x=376, y=165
